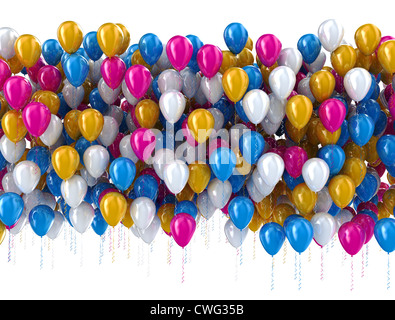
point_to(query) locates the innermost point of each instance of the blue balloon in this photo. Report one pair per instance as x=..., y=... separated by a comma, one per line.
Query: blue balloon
x=361, y=128
x=236, y=37
x=186, y=207
x=334, y=209
x=41, y=218
x=155, y=87
x=222, y=162
x=196, y=44
x=150, y=48
x=272, y=237
x=385, y=147
x=3, y=162
x=368, y=187
x=82, y=52
x=240, y=111
x=76, y=69
x=309, y=46
x=381, y=124
x=371, y=108
x=41, y=156
x=391, y=170
x=291, y=181
x=342, y=99
x=255, y=78
x=241, y=210
x=344, y=134
x=88, y=196
x=99, y=225
x=53, y=183
x=122, y=172
x=226, y=107
x=146, y=186
x=97, y=102
x=290, y=218
x=91, y=46
x=334, y=156
x=251, y=144
x=81, y=145
x=52, y=51
x=64, y=107
x=384, y=232
x=65, y=209
x=299, y=233
x=371, y=89
x=11, y=208
x=237, y=182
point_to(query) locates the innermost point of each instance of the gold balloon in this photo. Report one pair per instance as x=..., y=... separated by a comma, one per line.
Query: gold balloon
x=166, y=214
x=355, y=168
x=256, y=222
x=200, y=124
x=113, y=207
x=386, y=56
x=266, y=206
x=325, y=136
x=389, y=199
x=342, y=190
x=147, y=113
x=28, y=50
x=311, y=133
x=137, y=58
x=49, y=98
x=15, y=65
x=229, y=60
x=127, y=220
x=375, y=66
x=352, y=150
x=281, y=212
x=245, y=58
x=266, y=72
x=185, y=194
x=235, y=83
x=65, y=161
x=343, y=59
x=13, y=126
x=298, y=110
x=90, y=124
x=110, y=38
x=199, y=176
x=242, y=166
x=391, y=179
x=296, y=135
x=370, y=148
x=310, y=148
x=3, y=231
x=322, y=83
x=126, y=39
x=367, y=38
x=70, y=36
x=363, y=61
x=3, y=106
x=250, y=44
x=383, y=212
x=70, y=123
x=303, y=198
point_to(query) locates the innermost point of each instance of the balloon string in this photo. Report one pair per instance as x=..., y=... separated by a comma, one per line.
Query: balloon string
x=81, y=250
x=41, y=255
x=113, y=245
x=296, y=266
x=52, y=257
x=285, y=252
x=253, y=252
x=363, y=264
x=367, y=255
x=9, y=246
x=272, y=276
x=309, y=256
x=388, y=273
x=352, y=273
x=183, y=266
x=128, y=245
x=101, y=250
x=237, y=265
x=300, y=272
x=322, y=264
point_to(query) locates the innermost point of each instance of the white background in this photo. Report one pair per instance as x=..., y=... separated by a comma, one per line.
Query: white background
x=213, y=269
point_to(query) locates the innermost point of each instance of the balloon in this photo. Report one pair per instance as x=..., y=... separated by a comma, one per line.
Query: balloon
x=268, y=48
x=5, y=72
x=12, y=151
x=251, y=146
x=142, y=211
x=122, y=172
x=235, y=36
x=99, y=225
x=386, y=56
x=172, y=105
x=282, y=81
x=330, y=33
x=81, y=217
x=385, y=149
x=272, y=237
x=361, y=128
x=76, y=69
x=36, y=117
x=219, y=192
x=148, y=234
x=74, y=190
x=175, y=175
x=352, y=237
x=138, y=79
x=182, y=228
x=324, y=226
x=322, y=83
x=271, y=167
x=150, y=48
x=109, y=131
x=200, y=124
x=299, y=233
x=8, y=37
x=57, y=226
x=334, y=156
x=367, y=223
x=90, y=124
x=96, y=159
x=27, y=50
x=357, y=83
x=222, y=162
x=199, y=176
x=143, y=143
x=26, y=175
x=384, y=232
x=304, y=198
x=367, y=38
x=179, y=50
x=91, y=46
x=41, y=219
x=342, y=189
x=209, y=59
x=11, y=208
x=113, y=70
x=368, y=188
x=110, y=39
x=186, y=207
x=332, y=113
x=205, y=206
x=256, y=104
x=309, y=46
x=343, y=59
x=292, y=58
x=40, y=156
x=299, y=110
x=70, y=36
x=241, y=210
x=294, y=159
x=17, y=91
x=49, y=78
x=234, y=235
x=13, y=126
x=235, y=83
x=281, y=212
x=113, y=207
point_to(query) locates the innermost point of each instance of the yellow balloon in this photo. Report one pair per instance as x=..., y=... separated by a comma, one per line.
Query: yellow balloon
x=13, y=126
x=342, y=190
x=303, y=198
x=281, y=212
x=200, y=124
x=386, y=56
x=235, y=83
x=27, y=49
x=70, y=123
x=3, y=231
x=70, y=36
x=49, y=98
x=343, y=59
x=126, y=38
x=65, y=161
x=147, y=113
x=250, y=44
x=363, y=61
x=298, y=110
x=185, y=194
x=355, y=168
x=127, y=220
x=322, y=83
x=229, y=60
x=367, y=38
x=166, y=214
x=199, y=176
x=113, y=207
x=90, y=124
x=110, y=38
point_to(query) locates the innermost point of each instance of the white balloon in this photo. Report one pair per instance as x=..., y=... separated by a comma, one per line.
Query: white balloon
x=234, y=235
x=271, y=168
x=20, y=224
x=282, y=81
x=292, y=58
x=129, y=97
x=236, y=131
x=357, y=83
x=212, y=88
x=126, y=148
x=342, y=217
x=191, y=82
x=276, y=110
x=26, y=175
x=260, y=184
x=135, y=231
x=94, y=70
x=90, y=181
x=162, y=158
x=82, y=216
x=199, y=96
x=108, y=94
x=74, y=190
x=218, y=120
x=48, y=199
x=73, y=95
x=109, y=132
x=330, y=33
x=176, y=176
x=205, y=206
x=315, y=172
x=57, y=226
x=318, y=63
x=96, y=159
x=9, y=184
x=219, y=192
x=163, y=62
x=170, y=79
x=142, y=211
x=256, y=105
x=253, y=191
x=148, y=234
x=31, y=200
x=270, y=127
x=172, y=105
x=304, y=89
x=12, y=151
x=116, y=112
x=53, y=131
x=8, y=37
x=324, y=201
x=324, y=226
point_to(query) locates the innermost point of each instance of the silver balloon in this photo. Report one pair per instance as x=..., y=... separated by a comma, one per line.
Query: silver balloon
x=53, y=131
x=130, y=123
x=8, y=37
x=253, y=191
x=109, y=132
x=324, y=226
x=106, y=93
x=315, y=172
x=26, y=175
x=276, y=110
x=90, y=181
x=48, y=199
x=219, y=192
x=12, y=151
x=129, y=97
x=256, y=105
x=236, y=131
x=148, y=234
x=31, y=200
x=20, y=224
x=162, y=158
x=142, y=211
x=57, y=226
x=357, y=83
x=324, y=201
x=318, y=63
x=271, y=168
x=212, y=88
x=9, y=185
x=199, y=96
x=170, y=80
x=74, y=190
x=163, y=62
x=172, y=105
x=292, y=58
x=73, y=95
x=176, y=176
x=126, y=148
x=82, y=216
x=96, y=159
x=270, y=127
x=330, y=33
x=304, y=89
x=190, y=82
x=205, y=206
x=282, y=81
x=94, y=70
x=342, y=217
x=116, y=112
x=260, y=184
x=234, y=235
x=218, y=120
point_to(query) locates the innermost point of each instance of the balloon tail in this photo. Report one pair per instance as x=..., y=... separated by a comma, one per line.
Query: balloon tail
x=388, y=273
x=52, y=257
x=128, y=245
x=237, y=265
x=169, y=251
x=81, y=250
x=75, y=243
x=241, y=255
x=296, y=266
x=206, y=234
x=367, y=256
x=272, y=276
x=309, y=256
x=113, y=245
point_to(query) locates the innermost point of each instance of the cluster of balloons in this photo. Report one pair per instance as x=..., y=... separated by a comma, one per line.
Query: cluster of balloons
x=97, y=132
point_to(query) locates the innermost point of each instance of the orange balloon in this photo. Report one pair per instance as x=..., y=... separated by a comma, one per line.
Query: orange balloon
x=200, y=124
x=322, y=83
x=147, y=113
x=49, y=98
x=70, y=123
x=90, y=123
x=199, y=176
x=27, y=49
x=342, y=190
x=343, y=59
x=298, y=110
x=13, y=126
x=303, y=198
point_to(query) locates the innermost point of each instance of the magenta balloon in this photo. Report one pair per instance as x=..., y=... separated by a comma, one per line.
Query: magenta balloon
x=332, y=113
x=367, y=223
x=49, y=78
x=294, y=159
x=182, y=228
x=138, y=79
x=209, y=59
x=187, y=133
x=5, y=73
x=143, y=142
x=179, y=51
x=113, y=70
x=36, y=117
x=368, y=206
x=17, y=91
x=352, y=237
x=268, y=48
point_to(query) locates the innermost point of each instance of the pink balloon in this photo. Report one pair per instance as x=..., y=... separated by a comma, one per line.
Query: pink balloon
x=138, y=79
x=17, y=91
x=268, y=48
x=367, y=223
x=368, y=206
x=294, y=159
x=209, y=59
x=384, y=39
x=5, y=73
x=33, y=71
x=49, y=78
x=179, y=50
x=36, y=117
x=143, y=143
x=332, y=113
x=352, y=237
x=182, y=228
x=114, y=147
x=187, y=133
x=113, y=70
